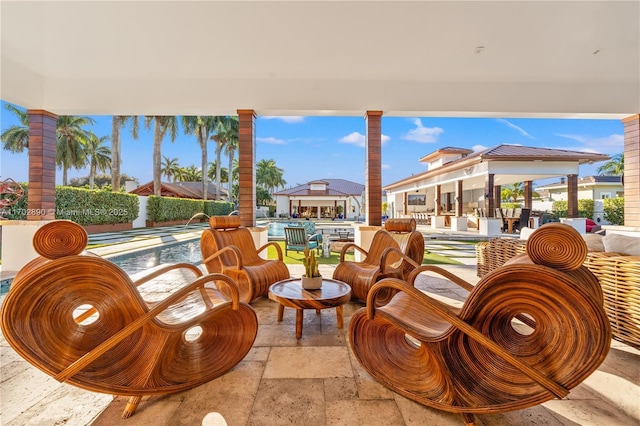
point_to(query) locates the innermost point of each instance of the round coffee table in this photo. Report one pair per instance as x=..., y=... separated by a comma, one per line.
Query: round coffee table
x=289, y=293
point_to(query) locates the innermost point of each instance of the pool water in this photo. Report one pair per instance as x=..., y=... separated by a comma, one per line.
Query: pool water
x=141, y=260
x=276, y=229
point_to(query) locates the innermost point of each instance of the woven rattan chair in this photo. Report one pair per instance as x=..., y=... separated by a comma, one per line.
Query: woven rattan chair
x=119, y=344
x=228, y=248
x=394, y=252
x=508, y=346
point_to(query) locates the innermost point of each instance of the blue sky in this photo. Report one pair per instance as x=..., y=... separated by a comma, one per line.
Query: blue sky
x=310, y=148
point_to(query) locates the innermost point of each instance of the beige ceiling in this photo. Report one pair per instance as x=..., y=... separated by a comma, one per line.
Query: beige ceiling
x=539, y=58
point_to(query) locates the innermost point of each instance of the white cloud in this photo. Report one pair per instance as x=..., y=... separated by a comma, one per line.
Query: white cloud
x=611, y=143
x=272, y=141
x=385, y=166
x=478, y=148
x=358, y=139
x=513, y=126
x=354, y=138
x=423, y=134
x=286, y=118
x=576, y=138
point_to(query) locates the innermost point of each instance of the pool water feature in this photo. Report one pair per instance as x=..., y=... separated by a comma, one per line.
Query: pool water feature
x=141, y=260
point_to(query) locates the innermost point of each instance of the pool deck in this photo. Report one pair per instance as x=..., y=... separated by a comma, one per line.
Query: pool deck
x=312, y=381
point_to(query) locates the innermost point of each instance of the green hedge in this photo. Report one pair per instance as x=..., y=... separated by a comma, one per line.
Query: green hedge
x=162, y=209
x=217, y=208
x=614, y=210
x=510, y=205
x=95, y=207
x=85, y=206
x=585, y=208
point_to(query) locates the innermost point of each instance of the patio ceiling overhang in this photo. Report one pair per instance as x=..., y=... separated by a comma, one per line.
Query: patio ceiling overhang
x=414, y=58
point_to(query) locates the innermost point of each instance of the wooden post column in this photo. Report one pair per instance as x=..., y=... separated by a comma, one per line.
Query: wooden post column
x=497, y=197
x=373, y=167
x=247, y=167
x=438, y=201
x=489, y=206
x=42, y=165
x=632, y=170
x=572, y=196
x=405, y=204
x=528, y=194
x=459, y=198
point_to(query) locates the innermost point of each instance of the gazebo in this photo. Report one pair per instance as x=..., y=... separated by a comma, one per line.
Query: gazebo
x=459, y=181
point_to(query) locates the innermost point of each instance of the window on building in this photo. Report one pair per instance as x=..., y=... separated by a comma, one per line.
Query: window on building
x=604, y=195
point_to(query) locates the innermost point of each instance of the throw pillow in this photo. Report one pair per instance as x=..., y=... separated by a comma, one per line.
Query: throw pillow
x=623, y=244
x=525, y=232
x=594, y=242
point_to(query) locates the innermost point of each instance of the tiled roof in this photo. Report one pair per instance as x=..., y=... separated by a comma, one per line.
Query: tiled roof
x=180, y=190
x=520, y=152
x=507, y=153
x=586, y=180
x=339, y=187
x=446, y=150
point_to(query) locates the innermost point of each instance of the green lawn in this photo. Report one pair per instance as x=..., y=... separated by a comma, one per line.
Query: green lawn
x=294, y=258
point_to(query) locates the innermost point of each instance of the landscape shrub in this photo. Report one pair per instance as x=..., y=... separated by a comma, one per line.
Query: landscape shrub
x=95, y=207
x=510, y=205
x=84, y=206
x=614, y=210
x=162, y=209
x=217, y=208
x=585, y=208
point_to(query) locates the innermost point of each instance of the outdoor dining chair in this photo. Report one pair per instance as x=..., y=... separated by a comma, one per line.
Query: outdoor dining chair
x=81, y=319
x=296, y=239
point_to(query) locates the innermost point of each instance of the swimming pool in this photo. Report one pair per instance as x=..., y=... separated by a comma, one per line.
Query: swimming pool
x=141, y=260
x=276, y=229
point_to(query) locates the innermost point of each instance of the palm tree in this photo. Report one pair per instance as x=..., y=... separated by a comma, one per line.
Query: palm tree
x=98, y=156
x=613, y=167
x=226, y=129
x=162, y=125
x=190, y=174
x=268, y=175
x=230, y=149
x=512, y=192
x=117, y=121
x=71, y=140
x=16, y=137
x=170, y=168
x=213, y=170
x=202, y=127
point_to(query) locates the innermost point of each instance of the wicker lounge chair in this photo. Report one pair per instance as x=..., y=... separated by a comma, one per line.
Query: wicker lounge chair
x=394, y=252
x=121, y=344
x=228, y=248
x=506, y=349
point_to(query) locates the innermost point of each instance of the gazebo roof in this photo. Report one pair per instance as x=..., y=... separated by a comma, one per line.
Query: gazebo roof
x=471, y=168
